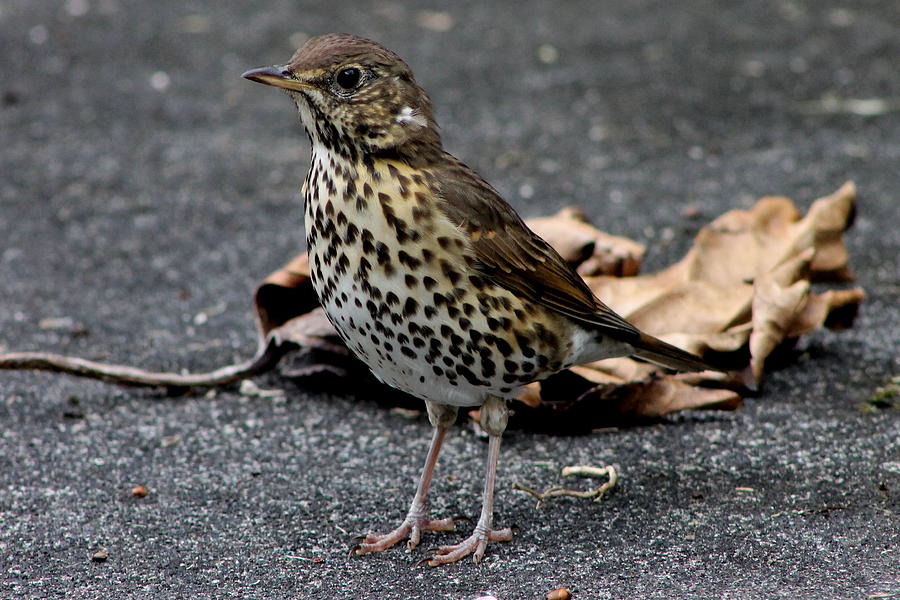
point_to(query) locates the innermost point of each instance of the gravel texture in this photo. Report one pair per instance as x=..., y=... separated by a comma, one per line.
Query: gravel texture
x=145, y=188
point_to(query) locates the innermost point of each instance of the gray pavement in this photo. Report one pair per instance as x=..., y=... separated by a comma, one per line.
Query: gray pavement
x=145, y=188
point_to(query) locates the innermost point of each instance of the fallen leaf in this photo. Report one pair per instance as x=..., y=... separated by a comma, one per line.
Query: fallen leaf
x=590, y=250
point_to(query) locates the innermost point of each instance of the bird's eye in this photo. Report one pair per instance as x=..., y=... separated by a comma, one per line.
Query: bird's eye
x=348, y=78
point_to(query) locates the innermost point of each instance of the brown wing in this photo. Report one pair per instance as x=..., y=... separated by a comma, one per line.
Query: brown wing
x=515, y=257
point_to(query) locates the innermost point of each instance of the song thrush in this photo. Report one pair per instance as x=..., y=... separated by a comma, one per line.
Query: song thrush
x=427, y=274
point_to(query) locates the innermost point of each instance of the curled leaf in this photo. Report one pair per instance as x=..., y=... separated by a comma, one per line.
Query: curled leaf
x=589, y=250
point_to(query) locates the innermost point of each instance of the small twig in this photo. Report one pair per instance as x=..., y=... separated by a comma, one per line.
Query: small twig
x=583, y=471
x=266, y=358
x=810, y=511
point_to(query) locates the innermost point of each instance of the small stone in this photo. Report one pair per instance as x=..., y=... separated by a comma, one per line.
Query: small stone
x=100, y=556
x=691, y=211
x=547, y=54
x=160, y=81
x=434, y=20
x=407, y=413
x=559, y=594
x=54, y=323
x=139, y=491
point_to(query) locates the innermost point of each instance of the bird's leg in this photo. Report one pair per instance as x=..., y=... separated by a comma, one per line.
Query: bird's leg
x=442, y=416
x=494, y=416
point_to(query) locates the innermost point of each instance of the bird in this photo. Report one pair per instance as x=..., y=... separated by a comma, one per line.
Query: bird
x=428, y=275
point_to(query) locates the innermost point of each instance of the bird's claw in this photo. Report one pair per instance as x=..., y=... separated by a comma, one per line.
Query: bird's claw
x=410, y=529
x=475, y=544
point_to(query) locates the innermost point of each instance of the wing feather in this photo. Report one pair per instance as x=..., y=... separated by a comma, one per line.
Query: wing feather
x=509, y=253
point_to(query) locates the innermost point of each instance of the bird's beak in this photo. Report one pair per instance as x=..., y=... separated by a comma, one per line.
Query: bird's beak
x=277, y=76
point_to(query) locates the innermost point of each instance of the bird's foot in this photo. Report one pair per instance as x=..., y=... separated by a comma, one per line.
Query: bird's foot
x=475, y=545
x=411, y=528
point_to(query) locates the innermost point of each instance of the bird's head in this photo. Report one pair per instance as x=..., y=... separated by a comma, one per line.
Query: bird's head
x=354, y=94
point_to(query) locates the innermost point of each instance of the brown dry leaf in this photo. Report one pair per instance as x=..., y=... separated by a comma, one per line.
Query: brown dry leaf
x=741, y=291
x=587, y=248
x=284, y=295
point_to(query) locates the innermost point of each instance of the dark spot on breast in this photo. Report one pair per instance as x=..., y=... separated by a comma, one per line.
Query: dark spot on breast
x=391, y=299
x=351, y=233
x=546, y=336
x=410, y=281
x=525, y=345
x=404, y=257
x=350, y=190
x=407, y=351
x=343, y=263
x=449, y=272
x=382, y=253
x=410, y=307
x=503, y=346
x=368, y=241
x=488, y=368
x=429, y=283
x=430, y=312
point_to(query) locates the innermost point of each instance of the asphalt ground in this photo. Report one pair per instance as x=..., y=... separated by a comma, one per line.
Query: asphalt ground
x=145, y=188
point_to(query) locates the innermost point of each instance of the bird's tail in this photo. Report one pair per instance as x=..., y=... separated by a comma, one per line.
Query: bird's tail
x=661, y=353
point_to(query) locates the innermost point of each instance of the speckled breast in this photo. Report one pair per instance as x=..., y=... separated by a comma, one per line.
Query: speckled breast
x=394, y=278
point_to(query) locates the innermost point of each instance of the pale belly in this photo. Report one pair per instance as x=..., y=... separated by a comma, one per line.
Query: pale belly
x=408, y=342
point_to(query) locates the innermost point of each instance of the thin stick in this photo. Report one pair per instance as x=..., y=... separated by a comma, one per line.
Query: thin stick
x=266, y=358
x=583, y=470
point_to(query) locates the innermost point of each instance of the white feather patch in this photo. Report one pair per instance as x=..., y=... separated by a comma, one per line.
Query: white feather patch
x=412, y=116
